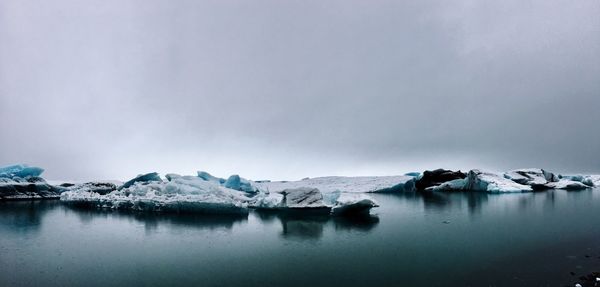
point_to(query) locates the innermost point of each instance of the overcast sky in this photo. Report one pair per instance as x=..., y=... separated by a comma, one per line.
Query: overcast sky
x=288, y=89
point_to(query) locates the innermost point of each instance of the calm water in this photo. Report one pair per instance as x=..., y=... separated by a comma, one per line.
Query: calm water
x=533, y=239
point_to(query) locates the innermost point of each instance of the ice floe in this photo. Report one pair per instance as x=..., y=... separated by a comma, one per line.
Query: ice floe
x=310, y=198
x=329, y=184
x=194, y=194
x=180, y=194
x=477, y=180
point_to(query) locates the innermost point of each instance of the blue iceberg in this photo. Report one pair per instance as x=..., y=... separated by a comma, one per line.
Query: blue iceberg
x=241, y=184
x=20, y=170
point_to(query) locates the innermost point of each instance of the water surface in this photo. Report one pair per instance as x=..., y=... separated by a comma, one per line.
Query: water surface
x=437, y=239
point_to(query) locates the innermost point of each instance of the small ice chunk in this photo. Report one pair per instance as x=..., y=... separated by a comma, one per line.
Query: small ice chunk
x=352, y=203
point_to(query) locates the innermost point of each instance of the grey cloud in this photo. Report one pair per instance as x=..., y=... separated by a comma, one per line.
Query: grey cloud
x=287, y=89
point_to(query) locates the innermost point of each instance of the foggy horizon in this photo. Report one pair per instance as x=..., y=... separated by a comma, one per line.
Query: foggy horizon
x=283, y=91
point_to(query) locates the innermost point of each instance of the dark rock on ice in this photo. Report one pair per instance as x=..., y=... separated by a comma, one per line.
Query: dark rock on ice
x=436, y=177
x=27, y=188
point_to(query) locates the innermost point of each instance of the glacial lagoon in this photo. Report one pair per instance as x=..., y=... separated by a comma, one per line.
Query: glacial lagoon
x=413, y=239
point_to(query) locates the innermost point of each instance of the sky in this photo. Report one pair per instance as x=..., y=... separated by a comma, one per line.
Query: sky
x=290, y=89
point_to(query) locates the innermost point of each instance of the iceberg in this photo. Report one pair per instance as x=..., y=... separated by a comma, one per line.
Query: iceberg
x=311, y=199
x=477, y=180
x=27, y=188
x=143, y=178
x=352, y=203
x=492, y=183
x=20, y=170
x=21, y=181
x=180, y=194
x=359, y=184
x=537, y=178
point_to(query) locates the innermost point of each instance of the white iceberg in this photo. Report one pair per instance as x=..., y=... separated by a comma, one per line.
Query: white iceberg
x=537, y=178
x=330, y=184
x=492, y=183
x=351, y=203
x=180, y=194
x=310, y=198
x=477, y=180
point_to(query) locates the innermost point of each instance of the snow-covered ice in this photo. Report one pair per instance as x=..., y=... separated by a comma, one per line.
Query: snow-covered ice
x=99, y=187
x=342, y=183
x=337, y=203
x=351, y=203
x=537, y=178
x=477, y=180
x=492, y=183
x=178, y=194
x=194, y=194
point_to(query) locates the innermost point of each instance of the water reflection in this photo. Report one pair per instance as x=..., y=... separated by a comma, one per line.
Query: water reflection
x=435, y=201
x=152, y=221
x=25, y=216
x=311, y=226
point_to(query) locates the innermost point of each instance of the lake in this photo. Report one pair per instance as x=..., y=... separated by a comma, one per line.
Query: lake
x=432, y=239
